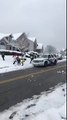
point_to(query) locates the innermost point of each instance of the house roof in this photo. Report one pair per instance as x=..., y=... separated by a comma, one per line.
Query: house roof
x=3, y=35
x=31, y=38
x=16, y=35
x=40, y=45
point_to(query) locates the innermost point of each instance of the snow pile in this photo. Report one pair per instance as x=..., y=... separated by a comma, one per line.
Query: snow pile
x=49, y=105
x=7, y=65
x=62, y=60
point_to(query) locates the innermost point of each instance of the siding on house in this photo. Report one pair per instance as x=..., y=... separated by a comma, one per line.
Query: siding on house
x=3, y=43
x=28, y=43
x=32, y=43
x=31, y=46
x=23, y=42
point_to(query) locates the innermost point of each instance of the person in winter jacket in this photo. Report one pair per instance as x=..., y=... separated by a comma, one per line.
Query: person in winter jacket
x=14, y=59
x=3, y=56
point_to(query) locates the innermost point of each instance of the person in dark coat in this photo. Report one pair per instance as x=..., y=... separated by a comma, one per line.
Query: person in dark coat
x=18, y=60
x=31, y=57
x=3, y=56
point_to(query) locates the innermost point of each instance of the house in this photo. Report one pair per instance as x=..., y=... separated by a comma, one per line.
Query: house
x=22, y=41
x=32, y=44
x=7, y=43
x=26, y=43
x=19, y=42
x=3, y=41
x=39, y=48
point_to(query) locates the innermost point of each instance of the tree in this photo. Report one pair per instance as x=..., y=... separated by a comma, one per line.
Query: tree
x=50, y=49
x=62, y=52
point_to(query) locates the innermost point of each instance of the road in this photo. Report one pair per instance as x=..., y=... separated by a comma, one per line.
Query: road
x=19, y=85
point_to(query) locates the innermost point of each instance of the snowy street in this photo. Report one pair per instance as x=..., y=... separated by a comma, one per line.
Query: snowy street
x=50, y=105
x=33, y=92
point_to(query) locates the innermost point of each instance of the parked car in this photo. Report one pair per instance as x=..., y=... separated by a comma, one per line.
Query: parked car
x=45, y=60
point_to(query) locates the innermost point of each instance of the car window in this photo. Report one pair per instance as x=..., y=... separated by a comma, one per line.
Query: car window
x=44, y=56
x=49, y=56
x=52, y=56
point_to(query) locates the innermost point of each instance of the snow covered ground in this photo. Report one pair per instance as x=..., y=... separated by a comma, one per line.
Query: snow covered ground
x=7, y=65
x=50, y=105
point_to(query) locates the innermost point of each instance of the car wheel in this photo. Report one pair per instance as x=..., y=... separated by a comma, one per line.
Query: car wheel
x=46, y=63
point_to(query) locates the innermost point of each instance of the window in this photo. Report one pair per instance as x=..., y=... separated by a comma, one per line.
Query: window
x=2, y=43
x=49, y=56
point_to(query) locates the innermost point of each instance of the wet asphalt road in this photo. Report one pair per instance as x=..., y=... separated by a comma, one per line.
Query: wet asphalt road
x=19, y=85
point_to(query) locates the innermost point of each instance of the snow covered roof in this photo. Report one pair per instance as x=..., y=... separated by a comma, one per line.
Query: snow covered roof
x=16, y=35
x=3, y=35
x=31, y=38
x=40, y=45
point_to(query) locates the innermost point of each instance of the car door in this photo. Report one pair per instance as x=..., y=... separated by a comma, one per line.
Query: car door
x=50, y=59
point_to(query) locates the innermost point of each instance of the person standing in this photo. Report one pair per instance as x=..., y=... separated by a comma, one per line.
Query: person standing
x=18, y=60
x=3, y=56
x=14, y=59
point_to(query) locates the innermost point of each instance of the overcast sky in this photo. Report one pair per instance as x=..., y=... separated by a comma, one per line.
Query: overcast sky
x=43, y=19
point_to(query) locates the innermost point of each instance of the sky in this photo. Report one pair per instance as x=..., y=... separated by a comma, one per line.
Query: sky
x=42, y=19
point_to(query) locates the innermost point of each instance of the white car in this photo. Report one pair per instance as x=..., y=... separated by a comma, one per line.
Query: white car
x=45, y=60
